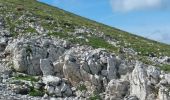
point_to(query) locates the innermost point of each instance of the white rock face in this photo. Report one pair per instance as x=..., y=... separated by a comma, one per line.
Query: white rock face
x=111, y=68
x=143, y=81
x=163, y=93
x=167, y=78
x=46, y=67
x=63, y=67
x=153, y=73
x=51, y=80
x=94, y=67
x=26, y=58
x=26, y=54
x=54, y=53
x=138, y=83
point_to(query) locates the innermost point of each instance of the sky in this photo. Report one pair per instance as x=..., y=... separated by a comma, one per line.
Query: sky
x=147, y=18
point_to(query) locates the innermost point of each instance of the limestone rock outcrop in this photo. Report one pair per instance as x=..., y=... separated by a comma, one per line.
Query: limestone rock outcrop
x=83, y=72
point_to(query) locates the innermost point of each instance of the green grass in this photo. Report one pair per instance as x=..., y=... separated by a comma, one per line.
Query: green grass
x=165, y=67
x=32, y=79
x=95, y=96
x=82, y=87
x=27, y=78
x=35, y=92
x=97, y=42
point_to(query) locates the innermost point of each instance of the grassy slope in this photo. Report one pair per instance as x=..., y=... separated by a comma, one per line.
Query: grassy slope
x=43, y=11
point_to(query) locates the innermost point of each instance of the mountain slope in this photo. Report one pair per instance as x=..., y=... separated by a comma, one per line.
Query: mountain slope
x=55, y=21
x=59, y=54
x=61, y=19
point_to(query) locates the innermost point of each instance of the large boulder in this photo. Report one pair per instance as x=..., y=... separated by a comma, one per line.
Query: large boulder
x=138, y=83
x=26, y=54
x=143, y=81
x=26, y=58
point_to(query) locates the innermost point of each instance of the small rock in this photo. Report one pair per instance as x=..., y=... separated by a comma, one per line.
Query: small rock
x=131, y=98
x=51, y=80
x=45, y=96
x=39, y=85
x=66, y=90
x=58, y=92
x=50, y=89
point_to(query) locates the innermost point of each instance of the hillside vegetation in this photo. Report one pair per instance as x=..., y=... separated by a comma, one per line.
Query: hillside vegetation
x=68, y=22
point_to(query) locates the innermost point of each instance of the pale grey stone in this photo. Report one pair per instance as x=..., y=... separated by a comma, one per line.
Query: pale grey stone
x=52, y=80
x=46, y=67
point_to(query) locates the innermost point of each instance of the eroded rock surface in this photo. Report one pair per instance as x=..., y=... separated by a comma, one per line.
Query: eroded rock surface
x=78, y=72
